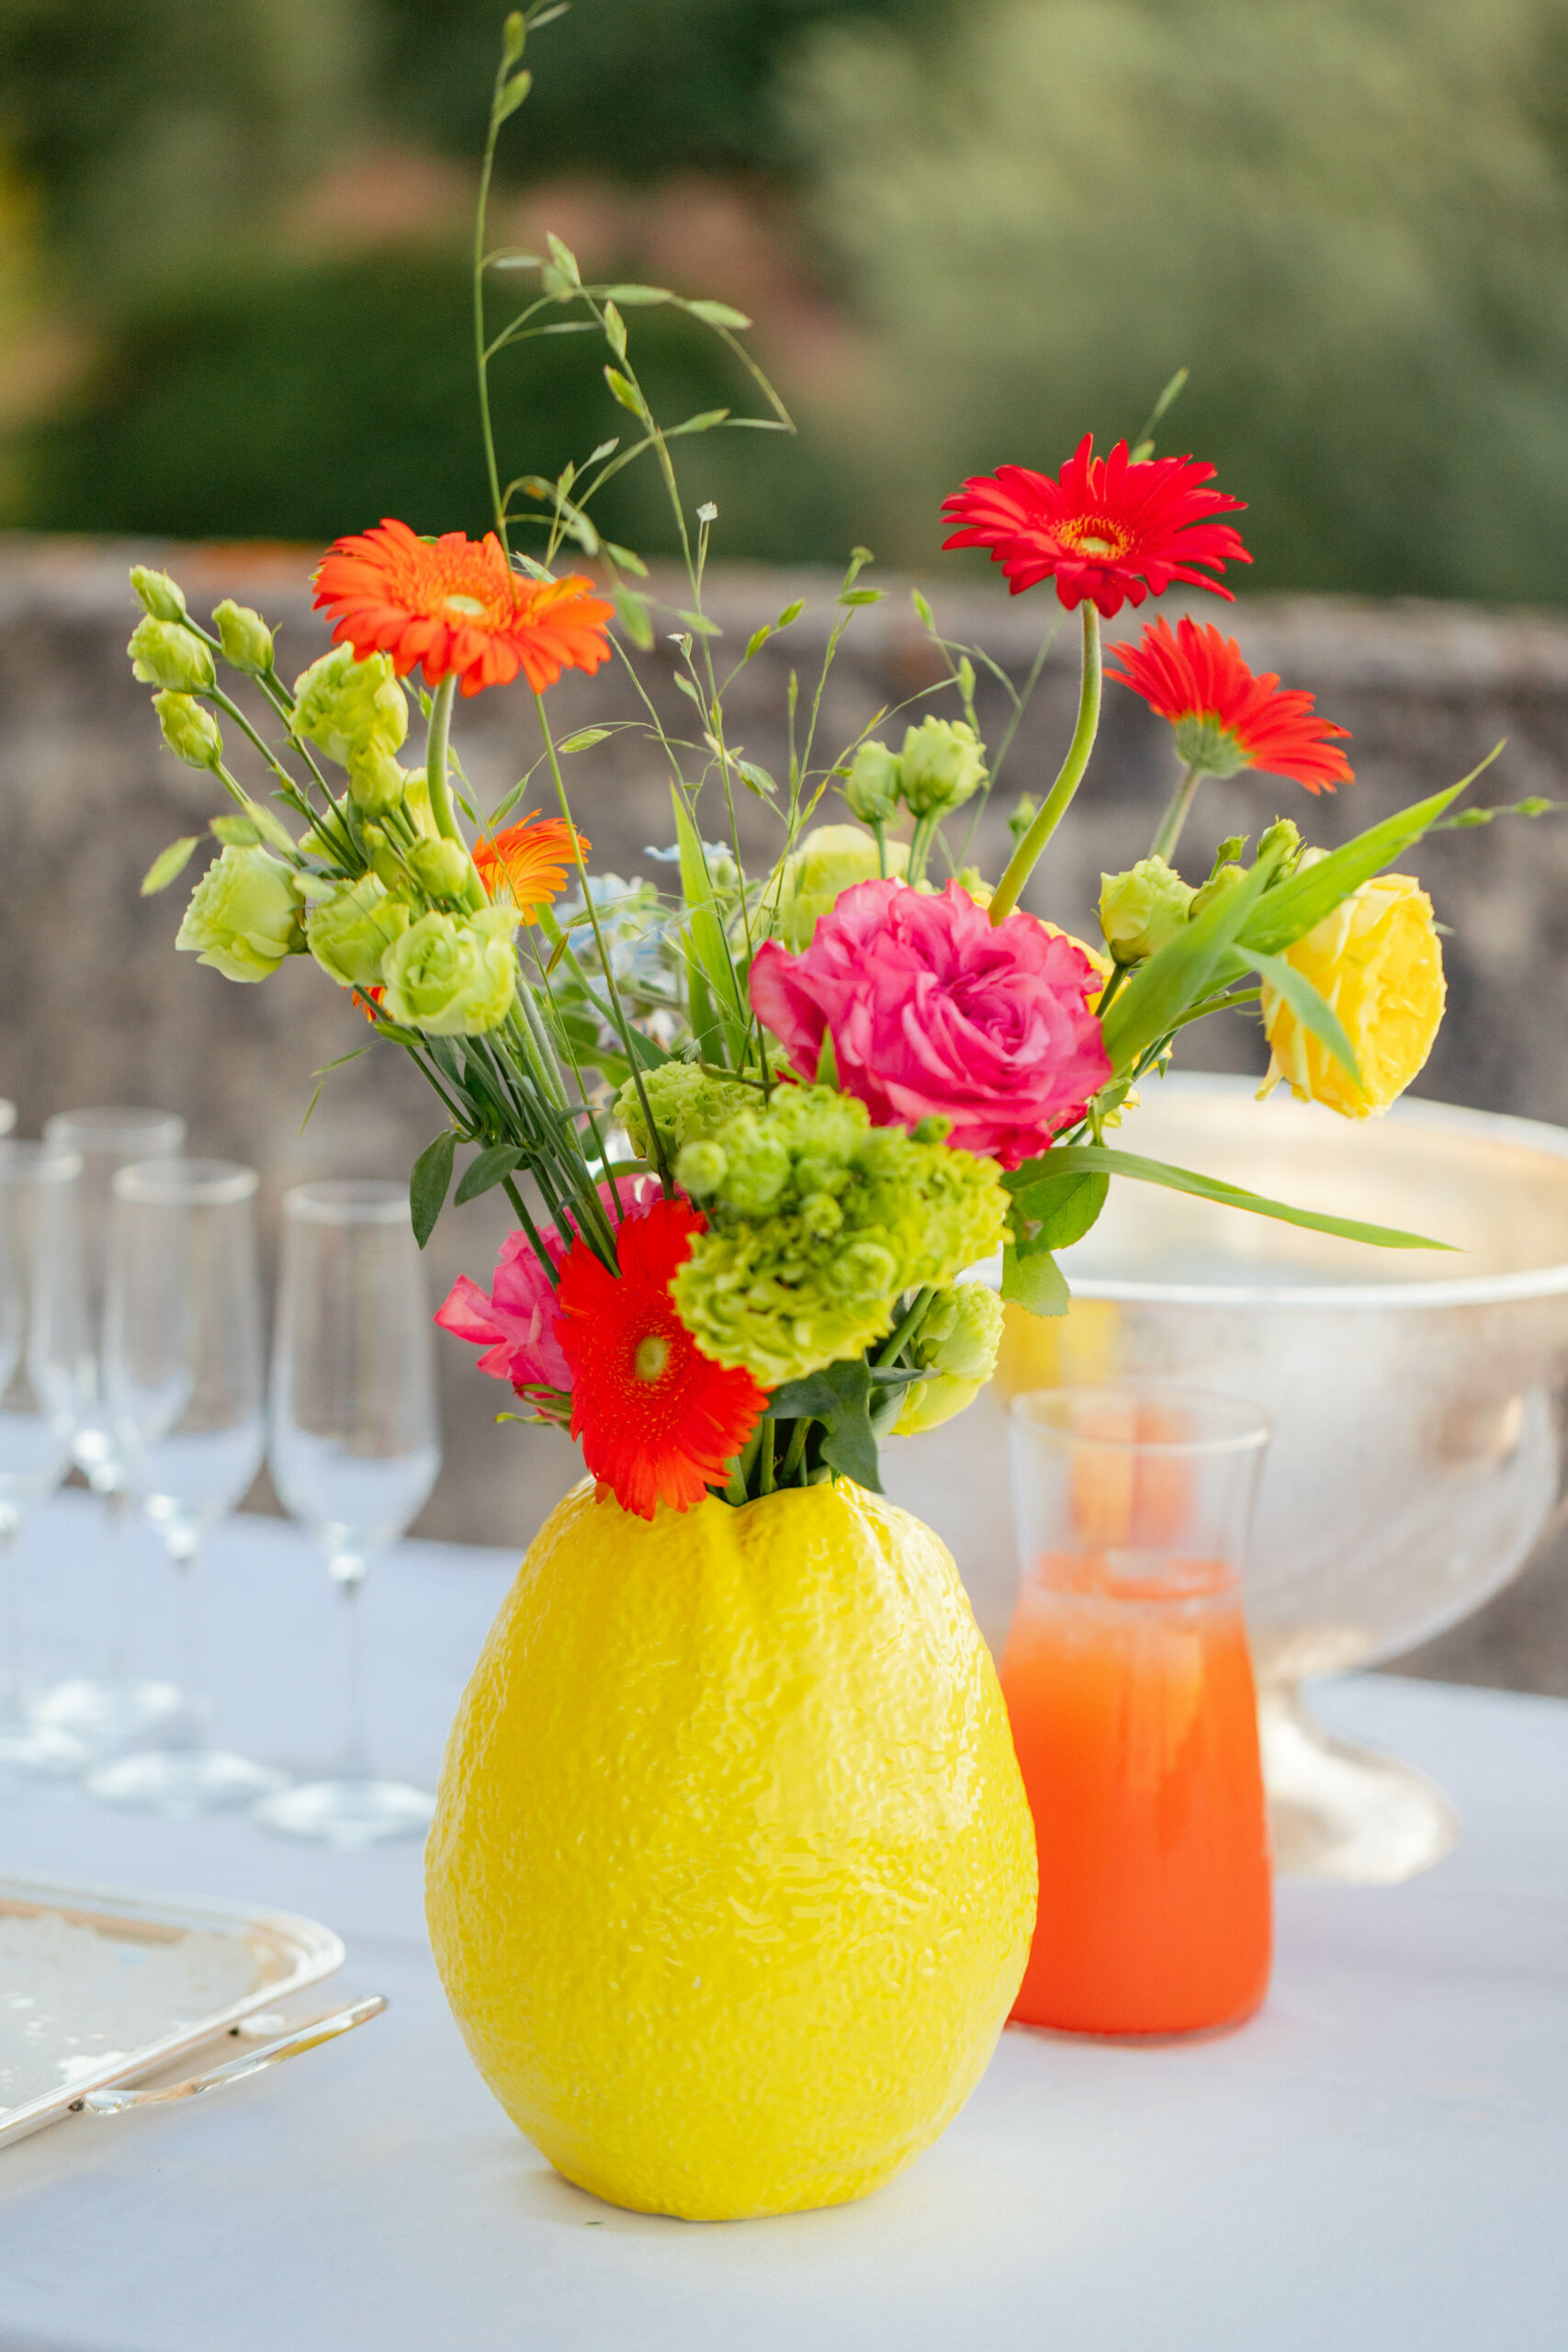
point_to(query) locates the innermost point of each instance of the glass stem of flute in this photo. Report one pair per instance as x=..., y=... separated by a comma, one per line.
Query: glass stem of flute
x=348, y=1573
x=189, y=1730
x=11, y=1709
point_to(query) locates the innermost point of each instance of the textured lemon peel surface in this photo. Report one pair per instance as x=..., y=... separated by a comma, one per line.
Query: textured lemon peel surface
x=731, y=1881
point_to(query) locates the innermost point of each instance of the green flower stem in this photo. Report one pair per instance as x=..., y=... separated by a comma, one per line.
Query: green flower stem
x=623, y=1026
x=435, y=760
x=1175, y=817
x=1021, y=864
x=795, y=1455
x=879, y=833
x=766, y=1456
x=919, y=848
x=907, y=1328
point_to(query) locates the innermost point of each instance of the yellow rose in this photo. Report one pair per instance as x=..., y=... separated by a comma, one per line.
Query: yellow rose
x=1378, y=961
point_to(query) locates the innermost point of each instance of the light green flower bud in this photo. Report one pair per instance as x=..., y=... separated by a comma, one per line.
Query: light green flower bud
x=243, y=916
x=416, y=801
x=452, y=976
x=942, y=764
x=343, y=705
x=973, y=883
x=164, y=654
x=1025, y=809
x=1218, y=886
x=244, y=637
x=349, y=932
x=1281, y=835
x=1142, y=909
x=829, y=860
x=161, y=596
x=442, y=868
x=700, y=1168
x=958, y=1342
x=872, y=785
x=190, y=733
x=385, y=861
x=375, y=782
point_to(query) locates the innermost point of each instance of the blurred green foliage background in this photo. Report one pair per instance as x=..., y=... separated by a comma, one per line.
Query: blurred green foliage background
x=232, y=286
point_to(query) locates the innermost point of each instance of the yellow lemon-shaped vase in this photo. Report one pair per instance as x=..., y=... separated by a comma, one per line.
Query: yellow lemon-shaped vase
x=731, y=1881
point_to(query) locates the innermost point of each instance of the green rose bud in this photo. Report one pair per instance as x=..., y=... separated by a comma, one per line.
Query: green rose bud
x=942, y=762
x=829, y=860
x=700, y=1168
x=244, y=637
x=872, y=785
x=958, y=1341
x=441, y=867
x=349, y=933
x=452, y=976
x=243, y=916
x=343, y=705
x=190, y=733
x=1218, y=886
x=1025, y=809
x=164, y=654
x=375, y=782
x=1141, y=910
x=161, y=596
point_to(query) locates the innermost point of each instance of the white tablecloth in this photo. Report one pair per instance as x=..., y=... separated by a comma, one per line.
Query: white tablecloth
x=1378, y=2164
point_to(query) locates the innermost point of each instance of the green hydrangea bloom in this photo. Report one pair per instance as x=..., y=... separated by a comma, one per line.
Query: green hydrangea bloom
x=686, y=1106
x=817, y=1221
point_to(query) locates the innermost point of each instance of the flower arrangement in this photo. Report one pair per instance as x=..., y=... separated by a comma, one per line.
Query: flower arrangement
x=759, y=1132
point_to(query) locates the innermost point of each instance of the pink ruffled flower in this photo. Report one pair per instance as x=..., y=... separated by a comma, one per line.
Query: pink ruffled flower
x=934, y=1012
x=515, y=1323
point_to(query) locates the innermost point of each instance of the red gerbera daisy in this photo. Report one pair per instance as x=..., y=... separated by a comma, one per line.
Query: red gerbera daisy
x=657, y=1419
x=1105, y=528
x=529, y=860
x=456, y=607
x=1225, y=718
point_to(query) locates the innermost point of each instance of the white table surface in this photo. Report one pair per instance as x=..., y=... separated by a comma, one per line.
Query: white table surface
x=1379, y=2160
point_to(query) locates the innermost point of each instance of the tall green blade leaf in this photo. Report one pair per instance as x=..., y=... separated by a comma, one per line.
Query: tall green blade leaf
x=707, y=933
x=1071, y=1158
x=1157, y=997
x=1297, y=907
x=1309, y=1005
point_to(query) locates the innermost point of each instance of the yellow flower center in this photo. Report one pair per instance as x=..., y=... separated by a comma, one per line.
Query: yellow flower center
x=652, y=1355
x=1100, y=541
x=469, y=609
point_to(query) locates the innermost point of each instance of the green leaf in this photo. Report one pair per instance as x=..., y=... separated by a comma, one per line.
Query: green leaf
x=840, y=1397
x=514, y=33
x=428, y=1180
x=168, y=865
x=757, y=779
x=628, y=394
x=1095, y=1158
x=757, y=639
x=1155, y=998
x=564, y=258
x=717, y=314
x=513, y=93
x=584, y=739
x=234, y=832
x=791, y=613
x=481, y=1175
x=699, y=623
x=1299, y=905
x=706, y=931
x=629, y=296
x=923, y=613
x=635, y=617
x=863, y=596
x=1063, y=1207
x=1308, y=1003
x=1031, y=1279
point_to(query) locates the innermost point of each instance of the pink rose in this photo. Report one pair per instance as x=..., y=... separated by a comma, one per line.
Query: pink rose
x=516, y=1323
x=933, y=1011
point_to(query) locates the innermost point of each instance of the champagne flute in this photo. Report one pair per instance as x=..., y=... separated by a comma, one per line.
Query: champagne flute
x=182, y=1377
x=111, y=1708
x=40, y=1306
x=355, y=1452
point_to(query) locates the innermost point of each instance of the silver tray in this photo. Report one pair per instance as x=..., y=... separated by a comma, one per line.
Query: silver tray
x=98, y=1991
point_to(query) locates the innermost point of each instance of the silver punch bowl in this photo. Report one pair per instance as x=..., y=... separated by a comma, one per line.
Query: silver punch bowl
x=1417, y=1399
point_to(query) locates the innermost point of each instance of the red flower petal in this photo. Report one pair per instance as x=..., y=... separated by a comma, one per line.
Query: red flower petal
x=1198, y=673
x=1104, y=527
x=657, y=1419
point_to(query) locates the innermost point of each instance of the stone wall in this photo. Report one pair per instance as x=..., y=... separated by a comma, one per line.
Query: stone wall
x=96, y=1007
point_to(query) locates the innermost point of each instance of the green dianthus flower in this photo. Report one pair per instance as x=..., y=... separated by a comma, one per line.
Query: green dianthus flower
x=817, y=1222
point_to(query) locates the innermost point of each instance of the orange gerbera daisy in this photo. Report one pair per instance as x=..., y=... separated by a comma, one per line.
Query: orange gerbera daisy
x=1225, y=716
x=657, y=1419
x=529, y=860
x=456, y=608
